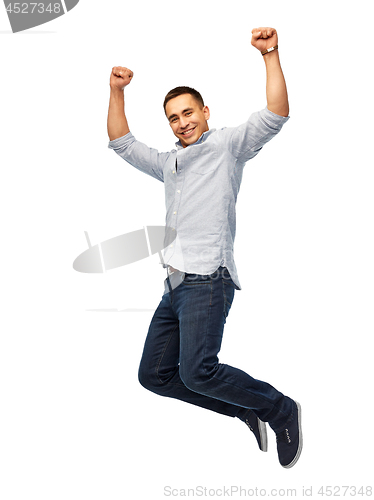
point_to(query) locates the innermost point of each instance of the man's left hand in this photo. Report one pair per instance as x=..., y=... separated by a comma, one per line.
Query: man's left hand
x=264, y=38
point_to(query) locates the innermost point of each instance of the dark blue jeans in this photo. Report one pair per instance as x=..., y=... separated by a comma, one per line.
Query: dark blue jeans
x=180, y=357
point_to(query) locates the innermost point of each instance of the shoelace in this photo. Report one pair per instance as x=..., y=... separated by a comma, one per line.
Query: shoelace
x=284, y=437
x=249, y=425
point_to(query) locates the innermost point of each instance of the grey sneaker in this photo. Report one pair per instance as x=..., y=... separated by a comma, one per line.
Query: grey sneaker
x=290, y=440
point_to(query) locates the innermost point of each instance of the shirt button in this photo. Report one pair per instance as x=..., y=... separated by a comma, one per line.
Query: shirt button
x=178, y=190
x=175, y=213
x=173, y=171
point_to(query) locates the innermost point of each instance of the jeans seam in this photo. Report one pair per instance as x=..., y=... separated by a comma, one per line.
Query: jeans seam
x=224, y=300
x=163, y=353
x=206, y=332
x=227, y=303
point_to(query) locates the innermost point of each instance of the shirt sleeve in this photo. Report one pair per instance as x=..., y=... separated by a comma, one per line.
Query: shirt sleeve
x=245, y=141
x=140, y=156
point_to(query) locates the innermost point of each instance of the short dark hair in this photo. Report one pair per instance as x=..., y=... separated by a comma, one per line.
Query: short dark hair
x=180, y=91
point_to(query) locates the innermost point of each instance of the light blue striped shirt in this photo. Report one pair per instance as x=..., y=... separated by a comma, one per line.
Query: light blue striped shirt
x=201, y=193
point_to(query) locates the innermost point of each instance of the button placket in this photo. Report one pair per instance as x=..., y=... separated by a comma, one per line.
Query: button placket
x=178, y=189
x=178, y=181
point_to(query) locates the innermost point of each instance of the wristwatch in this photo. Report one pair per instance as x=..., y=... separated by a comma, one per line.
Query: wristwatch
x=269, y=50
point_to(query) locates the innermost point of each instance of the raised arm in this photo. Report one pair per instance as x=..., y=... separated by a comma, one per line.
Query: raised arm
x=276, y=90
x=117, y=122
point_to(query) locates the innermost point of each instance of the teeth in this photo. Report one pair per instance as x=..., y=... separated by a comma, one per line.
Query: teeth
x=187, y=131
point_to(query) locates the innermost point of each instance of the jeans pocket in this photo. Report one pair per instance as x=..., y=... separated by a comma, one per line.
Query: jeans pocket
x=227, y=279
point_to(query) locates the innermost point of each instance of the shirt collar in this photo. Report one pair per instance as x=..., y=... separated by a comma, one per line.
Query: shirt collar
x=201, y=139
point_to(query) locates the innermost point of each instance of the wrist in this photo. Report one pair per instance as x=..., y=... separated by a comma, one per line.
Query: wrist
x=117, y=95
x=271, y=58
x=269, y=50
x=117, y=91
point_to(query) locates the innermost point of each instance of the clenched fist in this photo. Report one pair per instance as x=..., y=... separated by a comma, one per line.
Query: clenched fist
x=120, y=78
x=264, y=38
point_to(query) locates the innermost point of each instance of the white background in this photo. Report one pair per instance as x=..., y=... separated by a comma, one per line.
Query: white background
x=74, y=421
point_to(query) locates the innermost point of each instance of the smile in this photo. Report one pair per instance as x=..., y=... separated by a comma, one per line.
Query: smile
x=189, y=131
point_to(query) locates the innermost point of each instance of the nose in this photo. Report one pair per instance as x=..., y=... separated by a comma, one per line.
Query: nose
x=183, y=122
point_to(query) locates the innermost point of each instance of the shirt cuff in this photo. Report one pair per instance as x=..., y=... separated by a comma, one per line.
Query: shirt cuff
x=121, y=142
x=274, y=119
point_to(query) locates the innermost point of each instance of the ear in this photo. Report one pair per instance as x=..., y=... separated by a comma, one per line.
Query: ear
x=206, y=112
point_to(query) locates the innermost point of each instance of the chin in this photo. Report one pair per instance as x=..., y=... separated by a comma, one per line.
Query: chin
x=189, y=140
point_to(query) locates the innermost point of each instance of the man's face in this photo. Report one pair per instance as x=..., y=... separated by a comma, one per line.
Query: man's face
x=187, y=118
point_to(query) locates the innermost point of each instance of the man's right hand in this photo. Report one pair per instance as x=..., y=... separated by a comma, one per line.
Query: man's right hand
x=117, y=122
x=120, y=78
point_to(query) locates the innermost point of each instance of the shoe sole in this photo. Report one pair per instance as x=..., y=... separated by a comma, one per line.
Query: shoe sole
x=263, y=435
x=298, y=453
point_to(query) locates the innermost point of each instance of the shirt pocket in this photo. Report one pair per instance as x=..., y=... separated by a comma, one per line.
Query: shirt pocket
x=204, y=160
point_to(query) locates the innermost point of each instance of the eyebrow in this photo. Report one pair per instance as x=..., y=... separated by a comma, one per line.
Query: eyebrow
x=176, y=116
